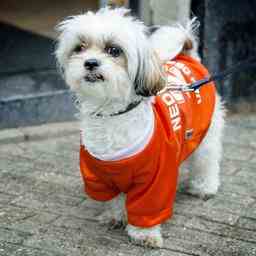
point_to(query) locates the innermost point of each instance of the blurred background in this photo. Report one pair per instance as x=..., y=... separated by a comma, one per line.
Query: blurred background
x=32, y=92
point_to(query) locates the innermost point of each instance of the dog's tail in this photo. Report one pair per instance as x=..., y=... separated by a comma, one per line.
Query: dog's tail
x=169, y=41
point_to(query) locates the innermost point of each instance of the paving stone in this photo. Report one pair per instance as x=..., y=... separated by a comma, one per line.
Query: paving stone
x=250, y=212
x=246, y=166
x=242, y=153
x=84, y=212
x=49, y=130
x=5, y=198
x=44, y=211
x=10, y=134
x=75, y=189
x=229, y=167
x=32, y=149
x=53, y=203
x=240, y=136
x=238, y=187
x=221, y=229
x=165, y=252
x=207, y=213
x=22, y=165
x=182, y=198
x=7, y=249
x=247, y=223
x=244, y=121
x=10, y=149
x=35, y=223
x=54, y=145
x=10, y=214
x=13, y=236
x=25, y=251
x=70, y=222
x=245, y=174
x=231, y=203
x=253, y=158
x=14, y=184
x=76, y=242
x=201, y=242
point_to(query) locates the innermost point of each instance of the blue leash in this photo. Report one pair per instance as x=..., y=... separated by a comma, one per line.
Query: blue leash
x=241, y=66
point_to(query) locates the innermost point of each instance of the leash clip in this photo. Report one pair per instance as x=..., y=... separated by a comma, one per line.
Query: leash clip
x=186, y=88
x=180, y=87
x=190, y=87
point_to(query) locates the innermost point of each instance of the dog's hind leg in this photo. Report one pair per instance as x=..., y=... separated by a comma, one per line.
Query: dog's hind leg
x=204, y=163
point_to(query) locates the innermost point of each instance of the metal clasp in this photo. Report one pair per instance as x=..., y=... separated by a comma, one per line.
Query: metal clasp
x=180, y=87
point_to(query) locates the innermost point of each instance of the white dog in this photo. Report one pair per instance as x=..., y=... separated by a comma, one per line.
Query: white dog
x=132, y=141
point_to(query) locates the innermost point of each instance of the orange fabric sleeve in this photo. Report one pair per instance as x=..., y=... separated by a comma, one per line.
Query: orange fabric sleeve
x=94, y=186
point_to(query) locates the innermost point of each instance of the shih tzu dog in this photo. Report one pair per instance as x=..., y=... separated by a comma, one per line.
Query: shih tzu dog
x=137, y=124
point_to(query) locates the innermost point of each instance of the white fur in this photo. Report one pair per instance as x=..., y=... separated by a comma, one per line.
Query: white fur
x=149, y=237
x=105, y=138
x=106, y=135
x=168, y=41
x=106, y=25
x=204, y=164
x=115, y=213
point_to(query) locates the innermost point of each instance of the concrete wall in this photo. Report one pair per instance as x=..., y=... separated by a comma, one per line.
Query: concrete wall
x=31, y=90
x=163, y=12
x=228, y=36
x=41, y=16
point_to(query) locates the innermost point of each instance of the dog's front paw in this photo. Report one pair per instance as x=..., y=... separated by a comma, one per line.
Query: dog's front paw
x=148, y=237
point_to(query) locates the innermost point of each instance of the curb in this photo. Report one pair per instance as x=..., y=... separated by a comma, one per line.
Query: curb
x=36, y=109
x=37, y=133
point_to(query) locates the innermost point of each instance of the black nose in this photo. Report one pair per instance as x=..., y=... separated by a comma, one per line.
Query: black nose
x=91, y=64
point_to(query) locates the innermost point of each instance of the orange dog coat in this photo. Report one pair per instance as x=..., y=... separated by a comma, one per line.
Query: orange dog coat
x=149, y=178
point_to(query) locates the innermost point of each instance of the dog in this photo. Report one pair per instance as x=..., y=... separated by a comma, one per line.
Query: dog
x=136, y=131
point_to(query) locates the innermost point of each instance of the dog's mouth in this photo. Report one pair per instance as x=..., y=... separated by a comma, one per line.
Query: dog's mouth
x=92, y=78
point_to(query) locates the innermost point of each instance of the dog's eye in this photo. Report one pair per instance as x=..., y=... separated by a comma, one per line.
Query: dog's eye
x=114, y=51
x=80, y=48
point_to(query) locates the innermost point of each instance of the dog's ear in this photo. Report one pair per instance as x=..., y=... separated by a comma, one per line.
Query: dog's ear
x=149, y=79
x=60, y=46
x=188, y=45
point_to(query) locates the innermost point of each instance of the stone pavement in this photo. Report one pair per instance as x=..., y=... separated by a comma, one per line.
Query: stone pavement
x=43, y=210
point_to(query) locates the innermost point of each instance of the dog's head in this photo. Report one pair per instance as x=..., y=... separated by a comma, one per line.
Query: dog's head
x=107, y=56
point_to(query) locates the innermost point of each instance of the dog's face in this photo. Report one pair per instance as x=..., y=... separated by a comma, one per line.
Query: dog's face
x=106, y=56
